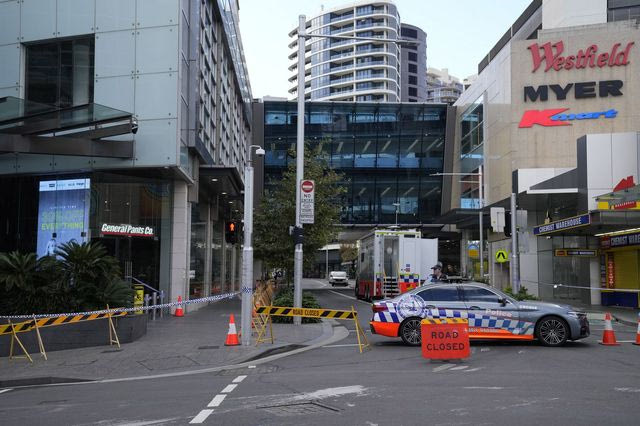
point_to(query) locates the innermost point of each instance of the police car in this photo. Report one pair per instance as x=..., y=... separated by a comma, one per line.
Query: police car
x=491, y=314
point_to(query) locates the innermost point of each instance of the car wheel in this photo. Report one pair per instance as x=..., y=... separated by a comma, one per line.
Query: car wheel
x=552, y=331
x=410, y=332
x=356, y=290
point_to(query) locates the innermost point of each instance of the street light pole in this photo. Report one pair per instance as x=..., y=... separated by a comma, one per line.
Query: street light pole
x=247, y=250
x=298, y=255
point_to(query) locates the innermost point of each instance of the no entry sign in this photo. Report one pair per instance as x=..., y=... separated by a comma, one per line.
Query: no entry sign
x=307, y=201
x=445, y=338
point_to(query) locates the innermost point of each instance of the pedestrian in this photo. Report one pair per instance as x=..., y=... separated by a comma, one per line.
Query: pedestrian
x=437, y=274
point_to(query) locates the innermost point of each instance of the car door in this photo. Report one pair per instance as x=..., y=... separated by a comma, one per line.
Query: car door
x=489, y=313
x=445, y=296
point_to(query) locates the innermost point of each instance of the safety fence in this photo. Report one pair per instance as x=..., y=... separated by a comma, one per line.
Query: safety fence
x=36, y=321
x=286, y=311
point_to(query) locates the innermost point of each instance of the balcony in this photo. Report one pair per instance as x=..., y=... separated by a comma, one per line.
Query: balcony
x=343, y=90
x=341, y=17
x=370, y=76
x=341, y=68
x=370, y=63
x=341, y=80
x=341, y=30
x=341, y=55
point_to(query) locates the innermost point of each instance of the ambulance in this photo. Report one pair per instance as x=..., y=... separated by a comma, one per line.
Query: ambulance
x=392, y=262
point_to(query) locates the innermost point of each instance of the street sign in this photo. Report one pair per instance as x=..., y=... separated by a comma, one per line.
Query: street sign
x=445, y=338
x=502, y=256
x=576, y=253
x=307, y=201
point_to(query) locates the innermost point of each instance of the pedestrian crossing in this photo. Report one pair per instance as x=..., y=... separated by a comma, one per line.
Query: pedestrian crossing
x=457, y=368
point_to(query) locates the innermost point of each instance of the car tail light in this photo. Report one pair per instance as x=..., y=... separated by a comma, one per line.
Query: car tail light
x=379, y=308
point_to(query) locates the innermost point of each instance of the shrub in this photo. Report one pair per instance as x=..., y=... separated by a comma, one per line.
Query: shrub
x=284, y=297
x=522, y=294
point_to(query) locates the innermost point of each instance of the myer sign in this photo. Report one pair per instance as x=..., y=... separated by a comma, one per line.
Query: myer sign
x=307, y=201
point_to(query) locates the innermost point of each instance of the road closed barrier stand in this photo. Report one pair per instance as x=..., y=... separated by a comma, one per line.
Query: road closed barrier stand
x=445, y=338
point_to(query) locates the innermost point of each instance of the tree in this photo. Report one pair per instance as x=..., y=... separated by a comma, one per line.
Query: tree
x=272, y=242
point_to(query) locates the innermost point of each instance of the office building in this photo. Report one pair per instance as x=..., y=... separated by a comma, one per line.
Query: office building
x=413, y=64
x=126, y=122
x=553, y=118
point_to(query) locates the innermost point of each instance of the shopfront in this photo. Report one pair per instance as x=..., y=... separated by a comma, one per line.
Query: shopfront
x=129, y=214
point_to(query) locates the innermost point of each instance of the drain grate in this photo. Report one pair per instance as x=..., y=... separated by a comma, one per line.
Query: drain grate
x=275, y=351
x=299, y=408
x=208, y=347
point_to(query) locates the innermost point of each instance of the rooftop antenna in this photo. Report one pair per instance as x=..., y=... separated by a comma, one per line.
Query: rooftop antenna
x=322, y=8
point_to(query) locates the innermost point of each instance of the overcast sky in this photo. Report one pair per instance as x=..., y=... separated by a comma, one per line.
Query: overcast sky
x=459, y=33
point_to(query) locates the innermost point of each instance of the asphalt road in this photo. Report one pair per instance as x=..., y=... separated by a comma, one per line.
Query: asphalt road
x=502, y=383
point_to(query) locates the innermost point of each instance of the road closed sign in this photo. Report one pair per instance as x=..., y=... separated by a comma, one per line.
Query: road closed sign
x=307, y=201
x=445, y=338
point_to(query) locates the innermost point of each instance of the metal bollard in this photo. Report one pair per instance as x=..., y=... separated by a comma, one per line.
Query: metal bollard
x=146, y=300
x=162, y=303
x=154, y=299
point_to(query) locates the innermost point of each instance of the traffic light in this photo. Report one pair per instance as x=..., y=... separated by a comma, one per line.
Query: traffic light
x=507, y=223
x=231, y=232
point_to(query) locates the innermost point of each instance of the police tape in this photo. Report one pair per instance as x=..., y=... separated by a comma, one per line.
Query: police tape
x=215, y=298
x=623, y=290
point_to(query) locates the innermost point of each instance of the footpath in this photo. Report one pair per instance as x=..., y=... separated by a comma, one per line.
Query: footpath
x=627, y=316
x=171, y=345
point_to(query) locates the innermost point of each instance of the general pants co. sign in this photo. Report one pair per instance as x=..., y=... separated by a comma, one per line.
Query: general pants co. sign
x=307, y=201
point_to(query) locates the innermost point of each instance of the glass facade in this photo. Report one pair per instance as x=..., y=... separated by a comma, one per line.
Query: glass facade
x=387, y=153
x=471, y=154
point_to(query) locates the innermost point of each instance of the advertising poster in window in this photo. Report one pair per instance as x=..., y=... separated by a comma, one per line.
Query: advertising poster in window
x=63, y=213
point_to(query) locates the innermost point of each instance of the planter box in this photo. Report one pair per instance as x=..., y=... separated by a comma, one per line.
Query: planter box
x=78, y=335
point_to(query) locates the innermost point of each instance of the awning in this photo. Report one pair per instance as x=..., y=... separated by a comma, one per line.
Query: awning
x=33, y=128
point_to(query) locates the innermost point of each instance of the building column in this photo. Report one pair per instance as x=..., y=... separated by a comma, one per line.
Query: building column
x=594, y=280
x=206, y=291
x=180, y=231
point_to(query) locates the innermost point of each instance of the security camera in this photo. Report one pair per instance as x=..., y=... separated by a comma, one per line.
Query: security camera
x=260, y=152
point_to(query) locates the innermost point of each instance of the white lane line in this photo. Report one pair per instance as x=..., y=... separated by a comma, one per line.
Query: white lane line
x=239, y=379
x=349, y=297
x=201, y=416
x=633, y=390
x=443, y=367
x=229, y=388
x=217, y=400
x=462, y=367
x=484, y=387
x=341, y=346
x=473, y=369
x=4, y=390
x=252, y=366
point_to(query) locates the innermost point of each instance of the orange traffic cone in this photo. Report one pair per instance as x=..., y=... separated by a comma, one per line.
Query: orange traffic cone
x=232, y=335
x=608, y=337
x=179, y=312
x=637, y=342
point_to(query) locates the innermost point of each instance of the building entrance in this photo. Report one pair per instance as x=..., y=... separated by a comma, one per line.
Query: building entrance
x=139, y=258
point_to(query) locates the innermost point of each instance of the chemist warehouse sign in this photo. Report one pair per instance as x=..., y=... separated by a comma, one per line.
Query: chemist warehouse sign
x=553, y=58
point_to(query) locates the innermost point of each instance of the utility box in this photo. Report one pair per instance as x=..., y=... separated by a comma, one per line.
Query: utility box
x=391, y=262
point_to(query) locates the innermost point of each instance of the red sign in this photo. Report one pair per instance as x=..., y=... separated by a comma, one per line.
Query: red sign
x=445, y=340
x=551, y=55
x=556, y=117
x=307, y=186
x=611, y=271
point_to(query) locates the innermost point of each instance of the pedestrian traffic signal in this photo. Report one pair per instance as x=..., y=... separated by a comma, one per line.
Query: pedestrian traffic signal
x=507, y=224
x=231, y=232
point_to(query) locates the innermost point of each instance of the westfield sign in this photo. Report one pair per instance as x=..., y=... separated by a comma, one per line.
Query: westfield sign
x=551, y=54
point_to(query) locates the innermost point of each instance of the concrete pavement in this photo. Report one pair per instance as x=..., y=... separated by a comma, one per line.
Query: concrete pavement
x=171, y=345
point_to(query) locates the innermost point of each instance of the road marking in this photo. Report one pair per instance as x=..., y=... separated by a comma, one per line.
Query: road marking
x=462, y=367
x=217, y=400
x=473, y=369
x=229, y=388
x=484, y=387
x=349, y=297
x=633, y=390
x=201, y=417
x=341, y=346
x=239, y=379
x=485, y=349
x=443, y=367
x=252, y=366
x=4, y=390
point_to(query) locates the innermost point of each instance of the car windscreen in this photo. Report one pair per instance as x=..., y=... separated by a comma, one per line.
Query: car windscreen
x=338, y=274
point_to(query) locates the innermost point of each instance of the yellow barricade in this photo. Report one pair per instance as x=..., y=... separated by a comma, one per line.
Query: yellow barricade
x=284, y=311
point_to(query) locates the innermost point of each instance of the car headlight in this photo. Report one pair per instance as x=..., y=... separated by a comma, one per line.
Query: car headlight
x=575, y=314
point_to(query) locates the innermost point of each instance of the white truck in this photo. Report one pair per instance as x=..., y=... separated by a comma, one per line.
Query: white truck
x=391, y=262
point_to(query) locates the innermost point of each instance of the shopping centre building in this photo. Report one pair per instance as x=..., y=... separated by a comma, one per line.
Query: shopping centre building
x=126, y=122
x=553, y=117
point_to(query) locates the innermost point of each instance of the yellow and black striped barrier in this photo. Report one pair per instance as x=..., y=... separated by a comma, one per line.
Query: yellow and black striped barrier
x=21, y=327
x=445, y=321
x=305, y=312
x=286, y=311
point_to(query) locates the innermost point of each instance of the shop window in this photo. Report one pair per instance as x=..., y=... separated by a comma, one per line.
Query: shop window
x=60, y=73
